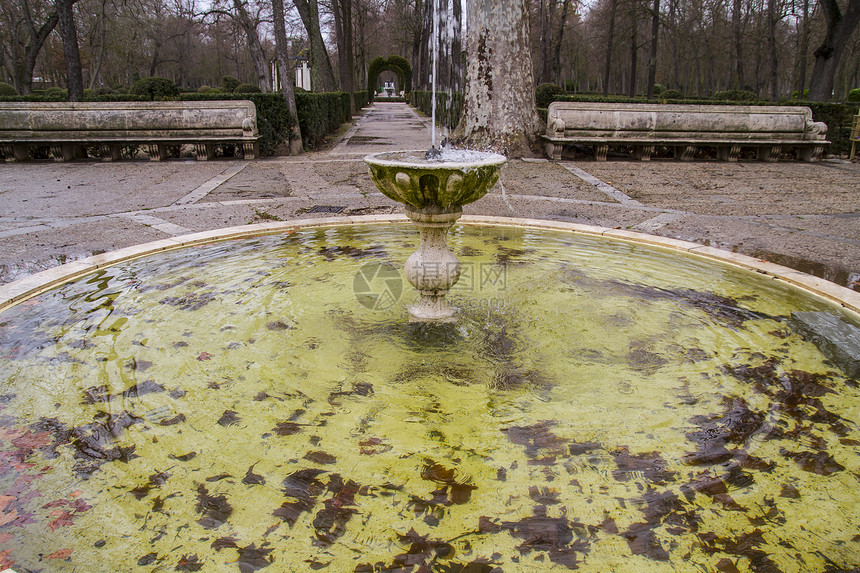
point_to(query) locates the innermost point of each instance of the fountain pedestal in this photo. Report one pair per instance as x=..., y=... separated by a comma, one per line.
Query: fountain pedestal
x=433, y=269
x=434, y=191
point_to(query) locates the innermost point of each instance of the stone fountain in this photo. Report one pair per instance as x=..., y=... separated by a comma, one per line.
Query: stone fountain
x=434, y=188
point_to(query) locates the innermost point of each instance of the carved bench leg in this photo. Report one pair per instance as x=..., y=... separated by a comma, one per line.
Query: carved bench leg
x=814, y=153
x=600, y=151
x=685, y=152
x=643, y=152
x=251, y=150
x=64, y=152
x=729, y=152
x=157, y=151
x=553, y=150
x=769, y=154
x=16, y=152
x=110, y=151
x=204, y=151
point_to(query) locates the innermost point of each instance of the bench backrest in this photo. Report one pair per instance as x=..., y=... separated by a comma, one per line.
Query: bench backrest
x=133, y=120
x=571, y=119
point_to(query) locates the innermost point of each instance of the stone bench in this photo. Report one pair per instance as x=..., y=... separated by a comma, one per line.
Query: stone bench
x=768, y=129
x=66, y=127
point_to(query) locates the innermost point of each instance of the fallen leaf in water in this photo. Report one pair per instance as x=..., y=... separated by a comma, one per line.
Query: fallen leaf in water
x=61, y=554
x=204, y=356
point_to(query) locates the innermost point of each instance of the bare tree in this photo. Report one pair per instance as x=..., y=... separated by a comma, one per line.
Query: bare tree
x=322, y=76
x=345, y=47
x=278, y=17
x=68, y=30
x=840, y=27
x=610, y=43
x=24, y=38
x=652, y=57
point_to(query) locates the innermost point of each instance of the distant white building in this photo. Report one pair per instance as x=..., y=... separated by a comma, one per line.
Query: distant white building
x=302, y=75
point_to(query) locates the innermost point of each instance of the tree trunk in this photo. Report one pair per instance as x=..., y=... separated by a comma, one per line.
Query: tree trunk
x=346, y=59
x=545, y=41
x=839, y=30
x=69, y=32
x=499, y=110
x=559, y=37
x=737, y=33
x=322, y=76
x=634, y=49
x=652, y=57
x=421, y=46
x=803, y=51
x=610, y=41
x=255, y=47
x=282, y=48
x=771, y=48
x=24, y=70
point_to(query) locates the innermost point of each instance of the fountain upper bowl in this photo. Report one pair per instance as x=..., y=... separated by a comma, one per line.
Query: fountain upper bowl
x=457, y=178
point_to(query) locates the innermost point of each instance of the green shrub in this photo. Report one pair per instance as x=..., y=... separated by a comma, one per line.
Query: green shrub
x=853, y=95
x=736, y=95
x=229, y=83
x=671, y=94
x=57, y=93
x=545, y=94
x=155, y=88
x=7, y=89
x=246, y=89
x=795, y=96
x=208, y=90
x=320, y=114
x=658, y=89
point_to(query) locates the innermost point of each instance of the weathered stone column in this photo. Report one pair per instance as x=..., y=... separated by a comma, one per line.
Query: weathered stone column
x=433, y=269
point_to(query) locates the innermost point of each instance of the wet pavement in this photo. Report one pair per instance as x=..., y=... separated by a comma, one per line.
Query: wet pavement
x=805, y=216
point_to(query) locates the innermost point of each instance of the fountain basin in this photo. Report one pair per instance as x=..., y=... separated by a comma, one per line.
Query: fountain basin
x=234, y=405
x=458, y=178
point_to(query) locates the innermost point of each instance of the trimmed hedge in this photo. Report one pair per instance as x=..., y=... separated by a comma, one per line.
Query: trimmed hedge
x=7, y=89
x=447, y=111
x=321, y=114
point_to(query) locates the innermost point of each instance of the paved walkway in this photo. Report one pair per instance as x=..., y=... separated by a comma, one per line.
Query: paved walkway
x=806, y=216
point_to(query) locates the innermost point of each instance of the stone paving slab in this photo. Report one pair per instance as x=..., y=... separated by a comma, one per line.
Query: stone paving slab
x=806, y=216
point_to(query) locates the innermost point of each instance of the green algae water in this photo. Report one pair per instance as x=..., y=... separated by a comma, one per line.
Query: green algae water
x=264, y=404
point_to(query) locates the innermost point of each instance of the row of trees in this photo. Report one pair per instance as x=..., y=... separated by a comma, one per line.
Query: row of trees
x=770, y=47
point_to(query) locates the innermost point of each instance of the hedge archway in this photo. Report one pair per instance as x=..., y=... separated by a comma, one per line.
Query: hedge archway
x=396, y=64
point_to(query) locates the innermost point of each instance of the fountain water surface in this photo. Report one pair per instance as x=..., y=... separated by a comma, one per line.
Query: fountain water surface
x=231, y=407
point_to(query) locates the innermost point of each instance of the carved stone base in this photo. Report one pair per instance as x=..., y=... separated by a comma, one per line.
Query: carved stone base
x=67, y=152
x=111, y=151
x=433, y=269
x=204, y=151
x=600, y=151
x=156, y=151
x=729, y=152
x=685, y=152
x=553, y=150
x=643, y=152
x=16, y=153
x=769, y=154
x=250, y=150
x=814, y=153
